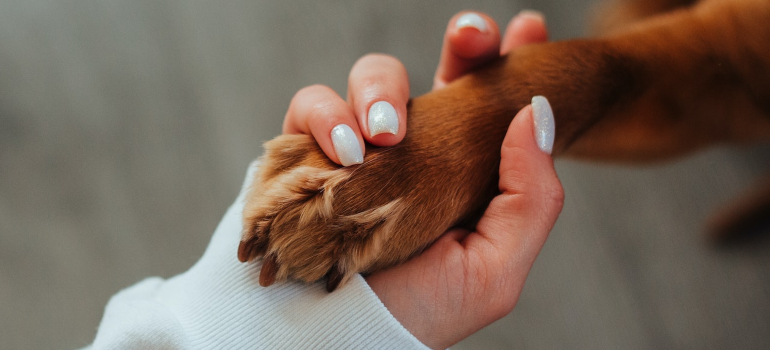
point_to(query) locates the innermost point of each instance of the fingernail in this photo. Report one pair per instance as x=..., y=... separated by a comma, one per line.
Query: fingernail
x=382, y=119
x=532, y=14
x=471, y=19
x=346, y=145
x=545, y=128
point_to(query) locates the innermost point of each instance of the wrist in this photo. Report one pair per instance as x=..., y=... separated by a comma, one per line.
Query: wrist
x=406, y=309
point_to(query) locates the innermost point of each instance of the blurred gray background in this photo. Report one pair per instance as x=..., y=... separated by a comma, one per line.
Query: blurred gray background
x=126, y=127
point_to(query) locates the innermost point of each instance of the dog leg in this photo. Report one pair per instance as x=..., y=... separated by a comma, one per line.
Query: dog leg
x=310, y=218
x=611, y=15
x=691, y=78
x=661, y=88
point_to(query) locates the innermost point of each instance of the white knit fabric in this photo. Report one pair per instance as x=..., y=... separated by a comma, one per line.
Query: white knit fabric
x=218, y=304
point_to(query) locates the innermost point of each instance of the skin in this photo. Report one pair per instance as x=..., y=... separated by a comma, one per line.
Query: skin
x=465, y=280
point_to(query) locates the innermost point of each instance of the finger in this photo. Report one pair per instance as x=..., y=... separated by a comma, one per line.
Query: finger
x=518, y=221
x=471, y=39
x=317, y=110
x=378, y=90
x=528, y=27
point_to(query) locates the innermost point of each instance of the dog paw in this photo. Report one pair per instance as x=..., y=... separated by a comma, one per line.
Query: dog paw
x=310, y=218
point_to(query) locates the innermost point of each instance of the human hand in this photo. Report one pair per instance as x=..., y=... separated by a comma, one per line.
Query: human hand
x=476, y=277
x=378, y=87
x=467, y=280
x=375, y=110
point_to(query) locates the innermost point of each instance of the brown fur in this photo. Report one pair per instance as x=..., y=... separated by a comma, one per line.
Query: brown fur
x=658, y=88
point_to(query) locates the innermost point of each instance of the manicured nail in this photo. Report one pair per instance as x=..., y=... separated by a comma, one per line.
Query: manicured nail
x=346, y=145
x=532, y=14
x=471, y=19
x=382, y=119
x=545, y=128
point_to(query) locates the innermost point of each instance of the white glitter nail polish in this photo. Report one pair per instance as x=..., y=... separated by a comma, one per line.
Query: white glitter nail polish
x=471, y=19
x=382, y=119
x=545, y=128
x=346, y=145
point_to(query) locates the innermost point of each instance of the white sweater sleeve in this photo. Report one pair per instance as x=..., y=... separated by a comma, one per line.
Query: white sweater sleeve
x=218, y=304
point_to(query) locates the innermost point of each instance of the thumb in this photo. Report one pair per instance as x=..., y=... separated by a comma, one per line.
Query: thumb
x=518, y=221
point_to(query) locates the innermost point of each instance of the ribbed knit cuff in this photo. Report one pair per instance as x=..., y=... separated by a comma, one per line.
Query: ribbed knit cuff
x=218, y=304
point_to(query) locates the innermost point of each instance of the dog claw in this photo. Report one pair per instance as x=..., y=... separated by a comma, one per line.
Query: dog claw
x=333, y=279
x=251, y=248
x=246, y=250
x=269, y=270
x=291, y=222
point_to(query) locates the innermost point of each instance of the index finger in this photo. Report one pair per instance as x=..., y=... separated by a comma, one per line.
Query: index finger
x=378, y=91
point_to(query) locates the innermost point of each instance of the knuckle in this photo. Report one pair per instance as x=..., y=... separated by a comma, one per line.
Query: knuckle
x=379, y=76
x=312, y=90
x=380, y=65
x=553, y=195
x=315, y=103
x=503, y=307
x=373, y=82
x=379, y=58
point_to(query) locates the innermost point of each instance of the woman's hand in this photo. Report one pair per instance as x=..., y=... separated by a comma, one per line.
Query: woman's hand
x=378, y=87
x=375, y=110
x=465, y=280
